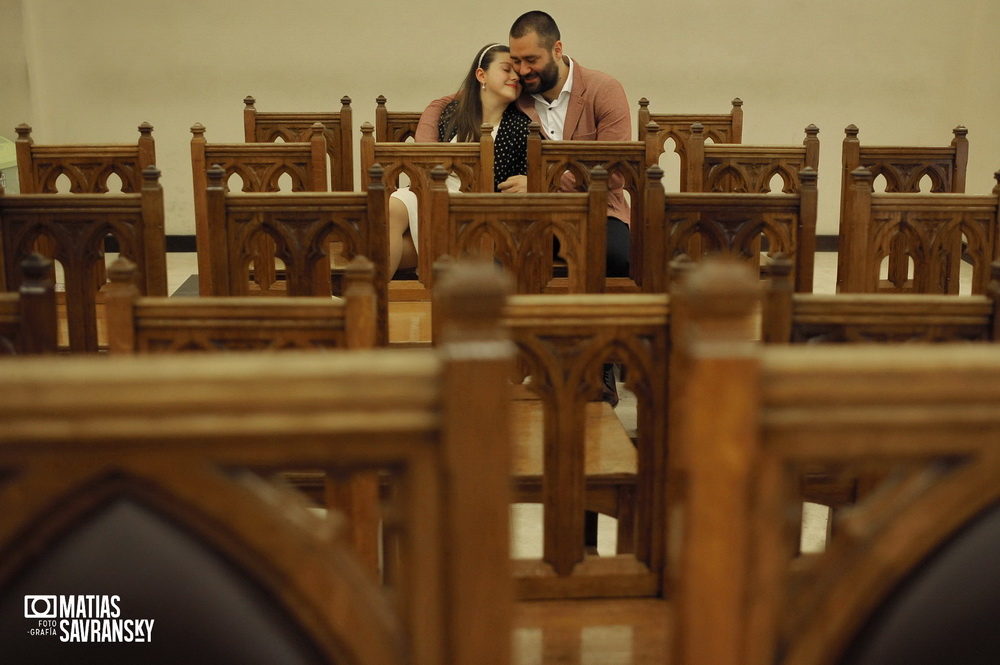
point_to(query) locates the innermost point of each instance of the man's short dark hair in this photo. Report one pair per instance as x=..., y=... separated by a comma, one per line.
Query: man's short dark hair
x=539, y=23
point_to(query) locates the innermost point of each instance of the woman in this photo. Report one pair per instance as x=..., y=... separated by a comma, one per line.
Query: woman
x=487, y=95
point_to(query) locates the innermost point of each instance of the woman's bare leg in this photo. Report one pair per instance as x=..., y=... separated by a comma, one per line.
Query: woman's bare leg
x=402, y=253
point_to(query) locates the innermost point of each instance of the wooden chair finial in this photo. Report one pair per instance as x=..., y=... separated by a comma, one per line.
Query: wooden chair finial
x=249, y=102
x=23, y=132
x=345, y=102
x=851, y=131
x=960, y=132
x=198, y=130
x=737, y=102
x=367, y=129
x=380, y=101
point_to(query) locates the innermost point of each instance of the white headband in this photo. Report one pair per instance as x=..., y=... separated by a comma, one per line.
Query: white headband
x=483, y=54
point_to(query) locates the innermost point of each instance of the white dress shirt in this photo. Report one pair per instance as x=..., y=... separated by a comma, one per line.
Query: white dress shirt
x=552, y=115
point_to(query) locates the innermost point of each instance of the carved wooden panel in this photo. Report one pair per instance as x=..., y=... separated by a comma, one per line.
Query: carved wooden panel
x=934, y=232
x=296, y=127
x=750, y=168
x=301, y=227
x=563, y=341
x=74, y=229
x=517, y=231
x=87, y=166
x=717, y=127
x=394, y=126
x=730, y=224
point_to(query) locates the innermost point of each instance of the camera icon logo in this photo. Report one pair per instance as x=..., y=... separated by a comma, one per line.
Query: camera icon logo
x=40, y=607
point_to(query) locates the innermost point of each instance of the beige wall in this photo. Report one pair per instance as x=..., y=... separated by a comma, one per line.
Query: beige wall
x=92, y=71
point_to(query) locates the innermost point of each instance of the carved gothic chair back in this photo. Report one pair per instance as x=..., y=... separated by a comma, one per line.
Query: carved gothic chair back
x=582, y=458
x=74, y=230
x=89, y=168
x=934, y=232
x=28, y=322
x=301, y=225
x=261, y=167
x=718, y=127
x=555, y=166
x=297, y=127
x=394, y=126
x=904, y=169
x=880, y=586
x=745, y=168
x=730, y=224
x=104, y=492
x=470, y=163
x=807, y=318
x=517, y=231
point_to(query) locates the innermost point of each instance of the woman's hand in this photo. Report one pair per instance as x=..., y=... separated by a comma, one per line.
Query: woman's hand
x=516, y=184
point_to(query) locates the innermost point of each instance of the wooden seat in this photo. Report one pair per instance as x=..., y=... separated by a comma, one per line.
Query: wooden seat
x=936, y=232
x=517, y=231
x=302, y=226
x=75, y=228
x=719, y=127
x=87, y=167
x=260, y=167
x=566, y=165
x=394, y=126
x=296, y=127
x=730, y=224
x=28, y=316
x=104, y=487
x=472, y=163
x=903, y=169
x=927, y=411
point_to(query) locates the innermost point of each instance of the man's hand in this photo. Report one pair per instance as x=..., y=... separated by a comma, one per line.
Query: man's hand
x=516, y=184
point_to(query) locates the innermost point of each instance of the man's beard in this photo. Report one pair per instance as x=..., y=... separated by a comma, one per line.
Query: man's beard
x=547, y=79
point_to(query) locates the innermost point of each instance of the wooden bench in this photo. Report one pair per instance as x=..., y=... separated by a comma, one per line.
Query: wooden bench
x=394, y=126
x=28, y=316
x=936, y=232
x=471, y=163
x=260, y=167
x=180, y=450
x=731, y=224
x=302, y=226
x=555, y=166
x=572, y=452
x=718, y=127
x=747, y=420
x=87, y=167
x=517, y=231
x=296, y=127
x=74, y=229
x=903, y=169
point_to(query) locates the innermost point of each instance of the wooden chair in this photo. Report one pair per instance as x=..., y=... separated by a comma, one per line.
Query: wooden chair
x=719, y=127
x=472, y=163
x=517, y=230
x=722, y=167
x=218, y=323
x=572, y=453
x=260, y=167
x=730, y=224
x=296, y=127
x=87, y=167
x=934, y=231
x=903, y=169
x=104, y=488
x=566, y=165
x=394, y=126
x=28, y=318
x=930, y=412
x=75, y=228
x=302, y=226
